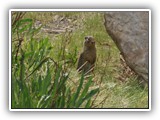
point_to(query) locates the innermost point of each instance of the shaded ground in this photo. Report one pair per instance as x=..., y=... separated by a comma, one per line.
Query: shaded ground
x=60, y=24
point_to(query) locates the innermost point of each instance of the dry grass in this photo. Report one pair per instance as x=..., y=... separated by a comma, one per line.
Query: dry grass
x=67, y=45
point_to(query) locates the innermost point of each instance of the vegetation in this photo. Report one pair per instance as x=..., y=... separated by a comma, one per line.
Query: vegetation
x=45, y=49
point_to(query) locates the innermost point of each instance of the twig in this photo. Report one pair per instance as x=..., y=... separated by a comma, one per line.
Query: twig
x=18, y=17
x=89, y=71
x=98, y=92
x=102, y=102
x=43, y=61
x=19, y=45
x=82, y=66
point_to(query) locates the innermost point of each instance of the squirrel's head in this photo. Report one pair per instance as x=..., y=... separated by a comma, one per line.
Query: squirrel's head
x=89, y=41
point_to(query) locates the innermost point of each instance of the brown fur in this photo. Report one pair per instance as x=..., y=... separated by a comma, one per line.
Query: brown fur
x=88, y=56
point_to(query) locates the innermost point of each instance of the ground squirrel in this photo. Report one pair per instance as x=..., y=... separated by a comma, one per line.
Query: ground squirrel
x=88, y=56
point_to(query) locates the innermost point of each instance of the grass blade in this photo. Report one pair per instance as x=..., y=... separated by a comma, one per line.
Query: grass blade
x=90, y=94
x=78, y=90
x=40, y=64
x=84, y=92
x=88, y=103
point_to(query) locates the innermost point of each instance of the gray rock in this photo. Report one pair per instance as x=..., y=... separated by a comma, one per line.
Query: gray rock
x=130, y=32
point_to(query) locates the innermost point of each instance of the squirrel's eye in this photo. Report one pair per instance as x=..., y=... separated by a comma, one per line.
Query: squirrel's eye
x=86, y=37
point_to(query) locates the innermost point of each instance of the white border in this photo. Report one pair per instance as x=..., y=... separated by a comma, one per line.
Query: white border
x=81, y=10
x=10, y=42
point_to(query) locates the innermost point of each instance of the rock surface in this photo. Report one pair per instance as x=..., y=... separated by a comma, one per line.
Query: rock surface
x=130, y=32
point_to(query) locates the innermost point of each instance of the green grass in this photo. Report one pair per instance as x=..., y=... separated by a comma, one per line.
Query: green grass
x=44, y=74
